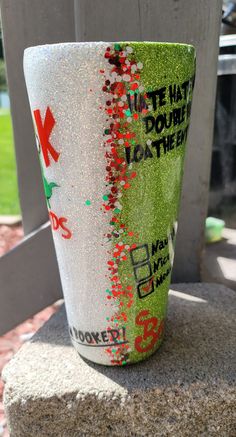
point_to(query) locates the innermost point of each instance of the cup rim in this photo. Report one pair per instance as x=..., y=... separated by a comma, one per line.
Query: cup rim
x=75, y=44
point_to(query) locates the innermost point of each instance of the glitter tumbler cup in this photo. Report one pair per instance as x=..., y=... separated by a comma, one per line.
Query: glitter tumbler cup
x=111, y=122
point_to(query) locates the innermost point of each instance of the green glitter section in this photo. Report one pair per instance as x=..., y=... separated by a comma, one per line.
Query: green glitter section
x=150, y=205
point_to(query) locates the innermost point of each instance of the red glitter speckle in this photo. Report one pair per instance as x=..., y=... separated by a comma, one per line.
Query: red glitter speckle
x=111, y=263
x=126, y=186
x=118, y=177
x=134, y=86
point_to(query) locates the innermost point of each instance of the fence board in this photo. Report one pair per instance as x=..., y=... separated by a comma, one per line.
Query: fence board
x=190, y=21
x=26, y=23
x=29, y=279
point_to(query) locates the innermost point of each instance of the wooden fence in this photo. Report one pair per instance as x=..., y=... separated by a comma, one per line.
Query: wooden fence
x=29, y=278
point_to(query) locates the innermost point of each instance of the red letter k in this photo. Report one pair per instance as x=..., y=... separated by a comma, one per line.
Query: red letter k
x=44, y=132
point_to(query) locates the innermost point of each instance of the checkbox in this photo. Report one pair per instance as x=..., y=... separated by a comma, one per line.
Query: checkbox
x=145, y=288
x=139, y=255
x=143, y=272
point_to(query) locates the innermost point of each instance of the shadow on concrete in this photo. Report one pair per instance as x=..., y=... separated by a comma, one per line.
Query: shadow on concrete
x=199, y=342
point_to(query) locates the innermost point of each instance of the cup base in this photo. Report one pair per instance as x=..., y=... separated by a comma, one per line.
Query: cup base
x=99, y=358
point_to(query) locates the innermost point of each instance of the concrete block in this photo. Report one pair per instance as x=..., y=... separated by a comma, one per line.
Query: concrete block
x=186, y=389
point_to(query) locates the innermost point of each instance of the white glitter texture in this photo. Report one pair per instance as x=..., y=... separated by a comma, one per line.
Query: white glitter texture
x=66, y=78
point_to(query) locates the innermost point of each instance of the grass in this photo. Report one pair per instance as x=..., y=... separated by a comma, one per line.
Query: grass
x=9, y=202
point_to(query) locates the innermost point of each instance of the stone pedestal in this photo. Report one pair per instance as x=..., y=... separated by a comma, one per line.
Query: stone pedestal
x=186, y=389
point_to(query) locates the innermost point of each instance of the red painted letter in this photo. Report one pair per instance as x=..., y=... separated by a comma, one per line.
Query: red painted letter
x=149, y=324
x=54, y=220
x=68, y=233
x=58, y=223
x=44, y=132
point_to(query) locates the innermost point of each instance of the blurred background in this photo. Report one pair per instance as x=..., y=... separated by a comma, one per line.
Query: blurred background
x=9, y=202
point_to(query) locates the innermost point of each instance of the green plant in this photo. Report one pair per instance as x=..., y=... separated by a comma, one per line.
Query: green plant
x=9, y=202
x=3, y=81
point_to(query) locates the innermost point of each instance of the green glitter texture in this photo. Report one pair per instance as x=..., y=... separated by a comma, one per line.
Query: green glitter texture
x=150, y=205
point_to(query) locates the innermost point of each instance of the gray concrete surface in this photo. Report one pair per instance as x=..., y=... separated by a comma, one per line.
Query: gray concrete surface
x=219, y=261
x=186, y=389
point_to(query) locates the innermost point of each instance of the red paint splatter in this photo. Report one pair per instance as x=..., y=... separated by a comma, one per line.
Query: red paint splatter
x=120, y=85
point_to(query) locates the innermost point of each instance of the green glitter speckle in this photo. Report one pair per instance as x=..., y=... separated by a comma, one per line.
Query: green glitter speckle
x=88, y=202
x=128, y=113
x=105, y=197
x=117, y=47
x=116, y=210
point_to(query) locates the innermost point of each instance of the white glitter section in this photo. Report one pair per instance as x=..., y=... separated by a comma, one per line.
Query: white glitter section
x=66, y=78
